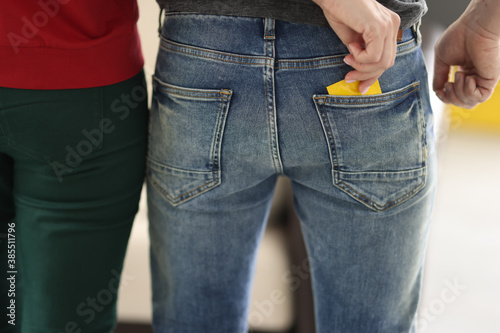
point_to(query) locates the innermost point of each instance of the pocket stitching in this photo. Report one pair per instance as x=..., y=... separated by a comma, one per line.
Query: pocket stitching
x=334, y=157
x=210, y=54
x=166, y=87
x=331, y=139
x=224, y=97
x=186, y=195
x=361, y=100
x=339, y=183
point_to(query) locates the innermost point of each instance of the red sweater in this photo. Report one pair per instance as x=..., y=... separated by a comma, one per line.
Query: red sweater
x=68, y=44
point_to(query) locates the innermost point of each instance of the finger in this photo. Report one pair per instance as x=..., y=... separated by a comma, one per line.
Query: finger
x=363, y=76
x=476, y=92
x=475, y=95
x=451, y=96
x=468, y=91
x=365, y=85
x=375, y=47
x=386, y=60
x=361, y=67
x=369, y=67
x=462, y=91
x=441, y=95
x=355, y=49
x=441, y=74
x=371, y=52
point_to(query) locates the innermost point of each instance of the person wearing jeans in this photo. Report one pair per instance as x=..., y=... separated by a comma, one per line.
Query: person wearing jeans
x=239, y=100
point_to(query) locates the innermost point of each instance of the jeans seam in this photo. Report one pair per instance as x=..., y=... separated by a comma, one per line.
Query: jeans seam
x=423, y=128
x=336, y=161
x=361, y=100
x=175, y=200
x=177, y=94
x=257, y=63
x=398, y=200
x=335, y=59
x=269, y=25
x=217, y=140
x=160, y=167
x=187, y=195
x=174, y=90
x=257, y=58
x=166, y=41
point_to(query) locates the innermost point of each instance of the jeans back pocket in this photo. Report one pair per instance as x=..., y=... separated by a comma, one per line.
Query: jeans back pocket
x=377, y=145
x=185, y=137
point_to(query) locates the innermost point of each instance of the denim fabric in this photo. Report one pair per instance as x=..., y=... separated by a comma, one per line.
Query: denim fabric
x=238, y=102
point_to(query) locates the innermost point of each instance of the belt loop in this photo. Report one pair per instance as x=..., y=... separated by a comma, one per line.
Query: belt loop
x=416, y=30
x=269, y=29
x=160, y=20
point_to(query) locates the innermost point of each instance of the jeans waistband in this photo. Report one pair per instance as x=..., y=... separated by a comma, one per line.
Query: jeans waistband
x=252, y=36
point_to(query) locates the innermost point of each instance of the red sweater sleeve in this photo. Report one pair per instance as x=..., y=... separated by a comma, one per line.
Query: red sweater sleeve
x=68, y=44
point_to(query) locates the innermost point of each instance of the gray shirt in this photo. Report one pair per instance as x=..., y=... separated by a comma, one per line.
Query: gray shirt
x=300, y=11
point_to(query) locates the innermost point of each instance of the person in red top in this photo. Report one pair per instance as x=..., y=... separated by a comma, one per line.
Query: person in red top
x=68, y=44
x=73, y=126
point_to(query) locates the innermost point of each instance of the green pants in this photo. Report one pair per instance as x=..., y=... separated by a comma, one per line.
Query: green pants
x=71, y=173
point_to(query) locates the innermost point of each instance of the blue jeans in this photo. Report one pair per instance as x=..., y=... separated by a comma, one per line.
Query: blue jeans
x=238, y=102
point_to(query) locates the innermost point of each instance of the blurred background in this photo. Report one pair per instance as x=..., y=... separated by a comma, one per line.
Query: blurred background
x=461, y=292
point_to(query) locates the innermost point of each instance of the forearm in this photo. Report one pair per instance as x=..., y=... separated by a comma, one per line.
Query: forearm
x=483, y=16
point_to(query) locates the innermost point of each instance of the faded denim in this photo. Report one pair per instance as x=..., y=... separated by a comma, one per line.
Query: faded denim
x=238, y=102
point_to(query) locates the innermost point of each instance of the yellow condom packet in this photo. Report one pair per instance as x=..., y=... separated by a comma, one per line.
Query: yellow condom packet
x=343, y=88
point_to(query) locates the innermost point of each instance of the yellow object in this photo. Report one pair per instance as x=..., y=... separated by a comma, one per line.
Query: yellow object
x=484, y=116
x=343, y=88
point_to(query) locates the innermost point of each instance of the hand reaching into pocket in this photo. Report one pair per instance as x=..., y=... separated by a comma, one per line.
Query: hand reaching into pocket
x=472, y=43
x=369, y=30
